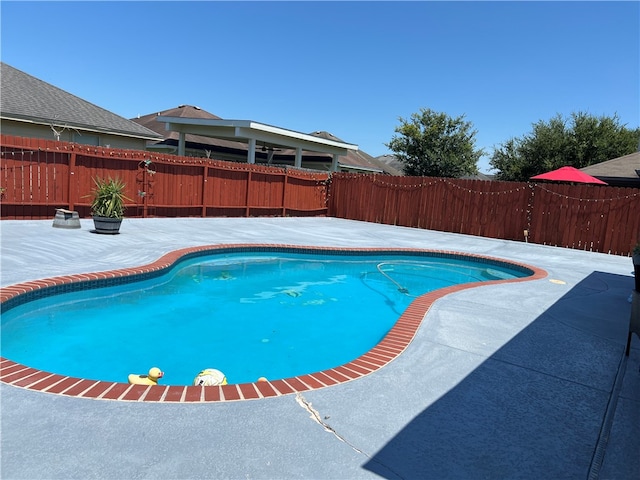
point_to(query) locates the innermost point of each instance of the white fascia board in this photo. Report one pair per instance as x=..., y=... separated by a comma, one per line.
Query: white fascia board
x=300, y=136
x=290, y=142
x=360, y=169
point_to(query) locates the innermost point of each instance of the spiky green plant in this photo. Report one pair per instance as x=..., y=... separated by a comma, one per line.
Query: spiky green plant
x=108, y=198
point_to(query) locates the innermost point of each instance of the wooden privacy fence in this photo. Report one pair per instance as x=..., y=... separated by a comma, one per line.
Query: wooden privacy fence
x=586, y=217
x=37, y=176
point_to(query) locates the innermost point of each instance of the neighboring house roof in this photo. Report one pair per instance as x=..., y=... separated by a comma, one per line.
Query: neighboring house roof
x=621, y=167
x=477, y=176
x=393, y=162
x=353, y=160
x=186, y=111
x=621, y=172
x=359, y=160
x=28, y=99
x=252, y=132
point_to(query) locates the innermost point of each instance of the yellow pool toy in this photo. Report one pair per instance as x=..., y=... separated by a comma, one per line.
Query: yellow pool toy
x=149, y=379
x=210, y=377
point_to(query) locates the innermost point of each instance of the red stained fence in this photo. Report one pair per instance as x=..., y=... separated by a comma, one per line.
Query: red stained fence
x=586, y=217
x=40, y=175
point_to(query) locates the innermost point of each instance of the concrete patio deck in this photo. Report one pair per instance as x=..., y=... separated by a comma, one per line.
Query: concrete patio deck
x=525, y=380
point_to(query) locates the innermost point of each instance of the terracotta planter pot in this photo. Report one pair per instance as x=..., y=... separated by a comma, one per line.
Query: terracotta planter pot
x=106, y=225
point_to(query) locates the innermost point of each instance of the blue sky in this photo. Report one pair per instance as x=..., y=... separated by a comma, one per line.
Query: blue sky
x=350, y=68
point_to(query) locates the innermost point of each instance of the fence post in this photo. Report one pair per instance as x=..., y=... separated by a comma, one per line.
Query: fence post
x=284, y=192
x=70, y=194
x=530, y=208
x=145, y=207
x=246, y=200
x=205, y=176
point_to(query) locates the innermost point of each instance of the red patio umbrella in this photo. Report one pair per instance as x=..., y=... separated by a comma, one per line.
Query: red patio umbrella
x=568, y=174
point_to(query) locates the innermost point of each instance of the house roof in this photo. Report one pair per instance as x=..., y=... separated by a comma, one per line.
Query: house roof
x=151, y=122
x=354, y=159
x=359, y=160
x=249, y=130
x=29, y=99
x=393, y=162
x=478, y=176
x=627, y=166
x=619, y=172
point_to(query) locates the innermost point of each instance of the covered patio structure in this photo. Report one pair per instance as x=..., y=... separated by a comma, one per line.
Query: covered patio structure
x=252, y=133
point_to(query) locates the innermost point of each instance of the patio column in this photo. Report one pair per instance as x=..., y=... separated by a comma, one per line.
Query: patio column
x=334, y=163
x=251, y=154
x=181, y=143
x=298, y=162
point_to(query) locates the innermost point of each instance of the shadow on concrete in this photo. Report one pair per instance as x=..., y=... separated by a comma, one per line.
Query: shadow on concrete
x=535, y=408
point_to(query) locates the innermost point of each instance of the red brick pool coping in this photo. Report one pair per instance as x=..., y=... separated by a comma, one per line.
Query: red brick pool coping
x=391, y=346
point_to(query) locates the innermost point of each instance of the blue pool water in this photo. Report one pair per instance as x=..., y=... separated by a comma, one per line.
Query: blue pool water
x=248, y=315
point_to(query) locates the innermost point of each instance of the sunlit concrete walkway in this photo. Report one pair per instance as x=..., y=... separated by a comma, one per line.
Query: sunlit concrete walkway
x=526, y=380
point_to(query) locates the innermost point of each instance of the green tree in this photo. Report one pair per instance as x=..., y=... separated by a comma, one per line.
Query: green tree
x=580, y=141
x=433, y=144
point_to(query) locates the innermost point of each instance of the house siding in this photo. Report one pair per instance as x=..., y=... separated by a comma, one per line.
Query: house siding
x=34, y=130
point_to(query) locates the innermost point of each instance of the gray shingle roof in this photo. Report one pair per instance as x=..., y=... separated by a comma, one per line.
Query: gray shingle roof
x=185, y=111
x=626, y=166
x=24, y=97
x=393, y=162
x=357, y=160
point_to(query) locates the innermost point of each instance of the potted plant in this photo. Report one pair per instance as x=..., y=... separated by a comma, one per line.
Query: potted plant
x=108, y=205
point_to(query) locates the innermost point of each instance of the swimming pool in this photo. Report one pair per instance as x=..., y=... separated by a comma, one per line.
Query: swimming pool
x=288, y=286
